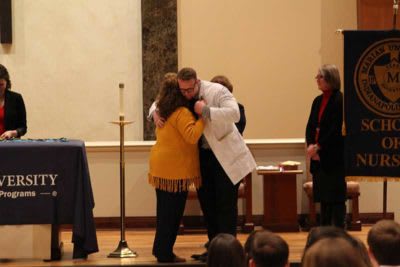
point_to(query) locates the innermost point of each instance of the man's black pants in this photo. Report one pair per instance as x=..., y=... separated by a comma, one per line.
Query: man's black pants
x=217, y=196
x=333, y=213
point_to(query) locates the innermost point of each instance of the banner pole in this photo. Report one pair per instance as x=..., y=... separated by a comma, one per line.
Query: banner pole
x=395, y=9
x=384, y=199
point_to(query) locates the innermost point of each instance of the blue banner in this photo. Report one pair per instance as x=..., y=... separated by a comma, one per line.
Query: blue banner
x=372, y=103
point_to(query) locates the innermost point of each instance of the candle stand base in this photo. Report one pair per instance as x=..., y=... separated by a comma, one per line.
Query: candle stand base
x=123, y=251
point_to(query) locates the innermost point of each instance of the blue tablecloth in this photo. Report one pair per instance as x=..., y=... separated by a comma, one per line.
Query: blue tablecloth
x=48, y=182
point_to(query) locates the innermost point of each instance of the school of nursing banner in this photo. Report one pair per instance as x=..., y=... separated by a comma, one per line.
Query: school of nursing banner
x=372, y=104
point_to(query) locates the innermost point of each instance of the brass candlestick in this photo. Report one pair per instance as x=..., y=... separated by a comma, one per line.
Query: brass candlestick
x=123, y=250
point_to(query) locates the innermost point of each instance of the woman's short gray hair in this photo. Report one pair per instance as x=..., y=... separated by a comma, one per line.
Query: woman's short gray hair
x=331, y=75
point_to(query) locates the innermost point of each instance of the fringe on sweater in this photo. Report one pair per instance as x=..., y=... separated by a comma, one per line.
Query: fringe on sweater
x=174, y=185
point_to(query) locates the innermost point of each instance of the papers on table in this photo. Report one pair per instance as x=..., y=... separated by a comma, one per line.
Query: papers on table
x=286, y=165
x=268, y=168
x=290, y=163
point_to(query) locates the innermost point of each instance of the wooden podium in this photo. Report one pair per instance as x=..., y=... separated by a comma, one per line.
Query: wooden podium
x=280, y=200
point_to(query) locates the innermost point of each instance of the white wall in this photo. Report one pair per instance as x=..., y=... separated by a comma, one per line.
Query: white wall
x=67, y=59
x=270, y=49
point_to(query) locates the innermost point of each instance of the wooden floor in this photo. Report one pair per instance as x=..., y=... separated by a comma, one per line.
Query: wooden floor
x=141, y=241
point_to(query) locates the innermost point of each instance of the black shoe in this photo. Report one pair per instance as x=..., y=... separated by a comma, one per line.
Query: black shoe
x=173, y=259
x=203, y=257
x=200, y=257
x=196, y=256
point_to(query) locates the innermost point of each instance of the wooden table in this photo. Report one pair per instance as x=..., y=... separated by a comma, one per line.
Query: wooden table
x=280, y=200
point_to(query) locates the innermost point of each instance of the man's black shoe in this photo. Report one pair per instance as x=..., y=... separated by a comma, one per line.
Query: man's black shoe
x=199, y=256
x=195, y=256
x=203, y=257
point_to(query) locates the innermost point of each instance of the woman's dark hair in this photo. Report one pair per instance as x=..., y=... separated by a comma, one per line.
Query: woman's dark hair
x=221, y=79
x=170, y=98
x=225, y=250
x=4, y=75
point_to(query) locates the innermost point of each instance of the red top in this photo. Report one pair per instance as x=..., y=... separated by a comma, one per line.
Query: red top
x=325, y=98
x=2, y=130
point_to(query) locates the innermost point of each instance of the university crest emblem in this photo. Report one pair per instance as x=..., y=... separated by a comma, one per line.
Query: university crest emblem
x=377, y=78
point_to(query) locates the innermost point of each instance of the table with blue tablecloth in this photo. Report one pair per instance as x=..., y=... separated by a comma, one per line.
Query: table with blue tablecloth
x=47, y=181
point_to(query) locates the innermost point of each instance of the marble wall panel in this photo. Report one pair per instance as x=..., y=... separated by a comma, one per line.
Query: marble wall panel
x=159, y=46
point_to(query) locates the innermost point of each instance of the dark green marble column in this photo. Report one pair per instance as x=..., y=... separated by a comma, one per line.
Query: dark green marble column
x=159, y=49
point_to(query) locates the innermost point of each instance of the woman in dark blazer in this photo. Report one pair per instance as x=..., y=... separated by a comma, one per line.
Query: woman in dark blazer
x=325, y=147
x=241, y=124
x=12, y=109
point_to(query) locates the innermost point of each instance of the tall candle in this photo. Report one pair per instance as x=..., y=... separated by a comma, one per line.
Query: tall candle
x=121, y=99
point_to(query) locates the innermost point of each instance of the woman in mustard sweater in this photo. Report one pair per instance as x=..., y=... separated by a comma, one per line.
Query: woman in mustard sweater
x=174, y=165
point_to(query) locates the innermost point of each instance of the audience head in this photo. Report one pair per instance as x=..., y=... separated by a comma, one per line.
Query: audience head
x=384, y=242
x=188, y=83
x=248, y=246
x=267, y=249
x=169, y=98
x=225, y=250
x=4, y=77
x=329, y=73
x=321, y=232
x=221, y=79
x=362, y=249
x=332, y=252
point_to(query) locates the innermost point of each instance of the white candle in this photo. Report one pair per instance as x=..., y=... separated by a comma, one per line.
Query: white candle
x=121, y=99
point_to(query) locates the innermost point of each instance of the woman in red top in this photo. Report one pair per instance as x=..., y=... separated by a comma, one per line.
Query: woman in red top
x=325, y=147
x=12, y=109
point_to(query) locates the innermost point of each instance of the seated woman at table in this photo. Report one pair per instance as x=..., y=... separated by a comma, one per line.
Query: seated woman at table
x=12, y=109
x=174, y=165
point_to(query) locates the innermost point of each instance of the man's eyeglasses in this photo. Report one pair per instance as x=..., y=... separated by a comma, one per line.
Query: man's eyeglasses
x=188, y=90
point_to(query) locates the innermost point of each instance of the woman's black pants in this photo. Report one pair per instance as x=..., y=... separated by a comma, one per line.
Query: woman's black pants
x=170, y=208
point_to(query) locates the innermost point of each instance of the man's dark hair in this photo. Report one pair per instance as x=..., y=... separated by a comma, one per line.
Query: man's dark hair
x=187, y=74
x=248, y=245
x=321, y=232
x=225, y=250
x=269, y=249
x=384, y=242
x=4, y=75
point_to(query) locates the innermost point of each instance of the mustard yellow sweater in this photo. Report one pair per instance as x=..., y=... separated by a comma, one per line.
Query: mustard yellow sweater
x=174, y=159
